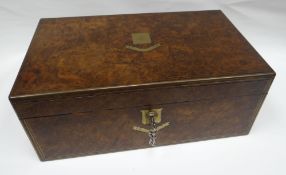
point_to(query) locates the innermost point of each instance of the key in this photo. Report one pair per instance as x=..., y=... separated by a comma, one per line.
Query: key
x=152, y=133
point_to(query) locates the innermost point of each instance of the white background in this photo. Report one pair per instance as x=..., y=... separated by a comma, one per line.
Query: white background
x=263, y=151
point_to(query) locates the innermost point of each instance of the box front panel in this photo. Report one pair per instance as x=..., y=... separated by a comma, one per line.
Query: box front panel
x=87, y=133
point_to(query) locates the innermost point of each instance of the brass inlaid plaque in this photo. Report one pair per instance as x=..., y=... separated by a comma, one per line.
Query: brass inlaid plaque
x=141, y=38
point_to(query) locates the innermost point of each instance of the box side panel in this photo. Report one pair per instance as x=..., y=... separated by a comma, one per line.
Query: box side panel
x=144, y=97
x=260, y=102
x=80, y=134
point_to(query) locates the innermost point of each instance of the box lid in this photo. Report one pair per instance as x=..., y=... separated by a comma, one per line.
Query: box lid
x=124, y=51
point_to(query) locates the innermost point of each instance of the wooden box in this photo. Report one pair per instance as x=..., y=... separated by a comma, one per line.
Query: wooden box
x=91, y=85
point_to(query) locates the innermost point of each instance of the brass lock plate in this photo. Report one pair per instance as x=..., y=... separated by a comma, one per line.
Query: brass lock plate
x=146, y=117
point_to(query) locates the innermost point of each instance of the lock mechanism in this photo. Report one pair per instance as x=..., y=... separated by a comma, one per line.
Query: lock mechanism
x=151, y=117
x=155, y=113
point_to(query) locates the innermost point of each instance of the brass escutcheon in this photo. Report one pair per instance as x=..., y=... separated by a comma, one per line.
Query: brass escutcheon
x=146, y=117
x=151, y=117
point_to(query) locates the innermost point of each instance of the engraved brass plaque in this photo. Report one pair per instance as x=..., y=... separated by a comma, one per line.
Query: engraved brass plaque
x=141, y=38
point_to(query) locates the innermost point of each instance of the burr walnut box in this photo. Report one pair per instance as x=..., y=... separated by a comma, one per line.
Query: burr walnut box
x=99, y=84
